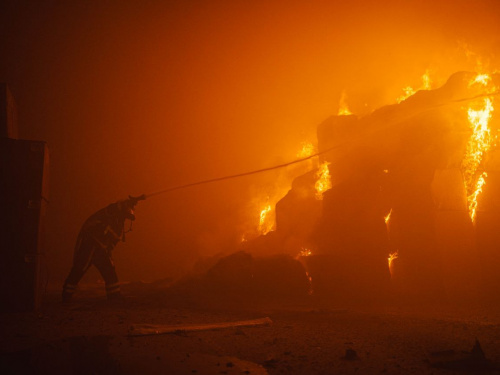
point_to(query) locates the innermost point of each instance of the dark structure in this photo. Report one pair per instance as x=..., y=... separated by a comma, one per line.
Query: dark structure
x=23, y=203
x=8, y=113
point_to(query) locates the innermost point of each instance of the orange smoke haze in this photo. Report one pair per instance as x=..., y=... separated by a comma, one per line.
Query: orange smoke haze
x=134, y=97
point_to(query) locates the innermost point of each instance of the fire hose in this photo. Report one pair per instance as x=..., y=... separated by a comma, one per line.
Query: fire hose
x=229, y=177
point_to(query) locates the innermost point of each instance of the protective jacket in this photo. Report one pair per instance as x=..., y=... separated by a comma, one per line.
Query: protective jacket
x=106, y=226
x=98, y=236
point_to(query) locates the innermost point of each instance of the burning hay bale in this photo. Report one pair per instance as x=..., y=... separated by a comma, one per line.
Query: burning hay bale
x=410, y=160
x=297, y=214
x=281, y=275
x=395, y=198
x=352, y=241
x=232, y=273
x=488, y=235
x=273, y=276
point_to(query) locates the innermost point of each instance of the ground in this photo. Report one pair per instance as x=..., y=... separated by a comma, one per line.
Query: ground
x=307, y=336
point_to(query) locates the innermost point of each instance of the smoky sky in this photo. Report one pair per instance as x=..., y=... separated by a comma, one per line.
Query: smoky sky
x=134, y=97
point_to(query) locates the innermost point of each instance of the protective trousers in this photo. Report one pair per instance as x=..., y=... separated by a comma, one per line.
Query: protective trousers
x=88, y=252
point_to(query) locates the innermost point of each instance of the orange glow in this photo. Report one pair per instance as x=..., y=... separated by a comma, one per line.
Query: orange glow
x=343, y=108
x=324, y=180
x=480, y=142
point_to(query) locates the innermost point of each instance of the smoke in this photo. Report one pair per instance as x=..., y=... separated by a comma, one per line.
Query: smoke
x=134, y=98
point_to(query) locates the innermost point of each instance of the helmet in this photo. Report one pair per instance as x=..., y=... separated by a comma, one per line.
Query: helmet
x=126, y=208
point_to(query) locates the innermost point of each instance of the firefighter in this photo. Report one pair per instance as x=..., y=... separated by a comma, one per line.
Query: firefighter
x=98, y=236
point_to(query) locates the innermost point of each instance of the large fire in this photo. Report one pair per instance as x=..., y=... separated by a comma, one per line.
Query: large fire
x=480, y=142
x=267, y=215
x=324, y=181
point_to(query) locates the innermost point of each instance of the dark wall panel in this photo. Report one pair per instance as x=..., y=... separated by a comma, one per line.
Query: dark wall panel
x=23, y=201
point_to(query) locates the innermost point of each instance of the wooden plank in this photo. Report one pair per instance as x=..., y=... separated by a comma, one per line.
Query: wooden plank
x=158, y=329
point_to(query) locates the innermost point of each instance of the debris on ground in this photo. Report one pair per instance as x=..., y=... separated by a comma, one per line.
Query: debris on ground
x=474, y=360
x=156, y=329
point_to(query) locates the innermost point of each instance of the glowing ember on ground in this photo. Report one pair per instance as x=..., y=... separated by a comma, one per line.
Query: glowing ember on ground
x=343, y=109
x=409, y=91
x=324, y=180
x=480, y=142
x=390, y=260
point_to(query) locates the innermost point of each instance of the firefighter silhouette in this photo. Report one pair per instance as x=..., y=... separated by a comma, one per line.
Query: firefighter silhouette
x=97, y=238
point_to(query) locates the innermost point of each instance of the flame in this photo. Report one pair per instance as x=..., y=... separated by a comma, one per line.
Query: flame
x=426, y=81
x=390, y=260
x=263, y=207
x=306, y=150
x=409, y=91
x=266, y=222
x=480, y=142
x=323, y=183
x=305, y=252
x=472, y=199
x=388, y=217
x=343, y=109
x=482, y=79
